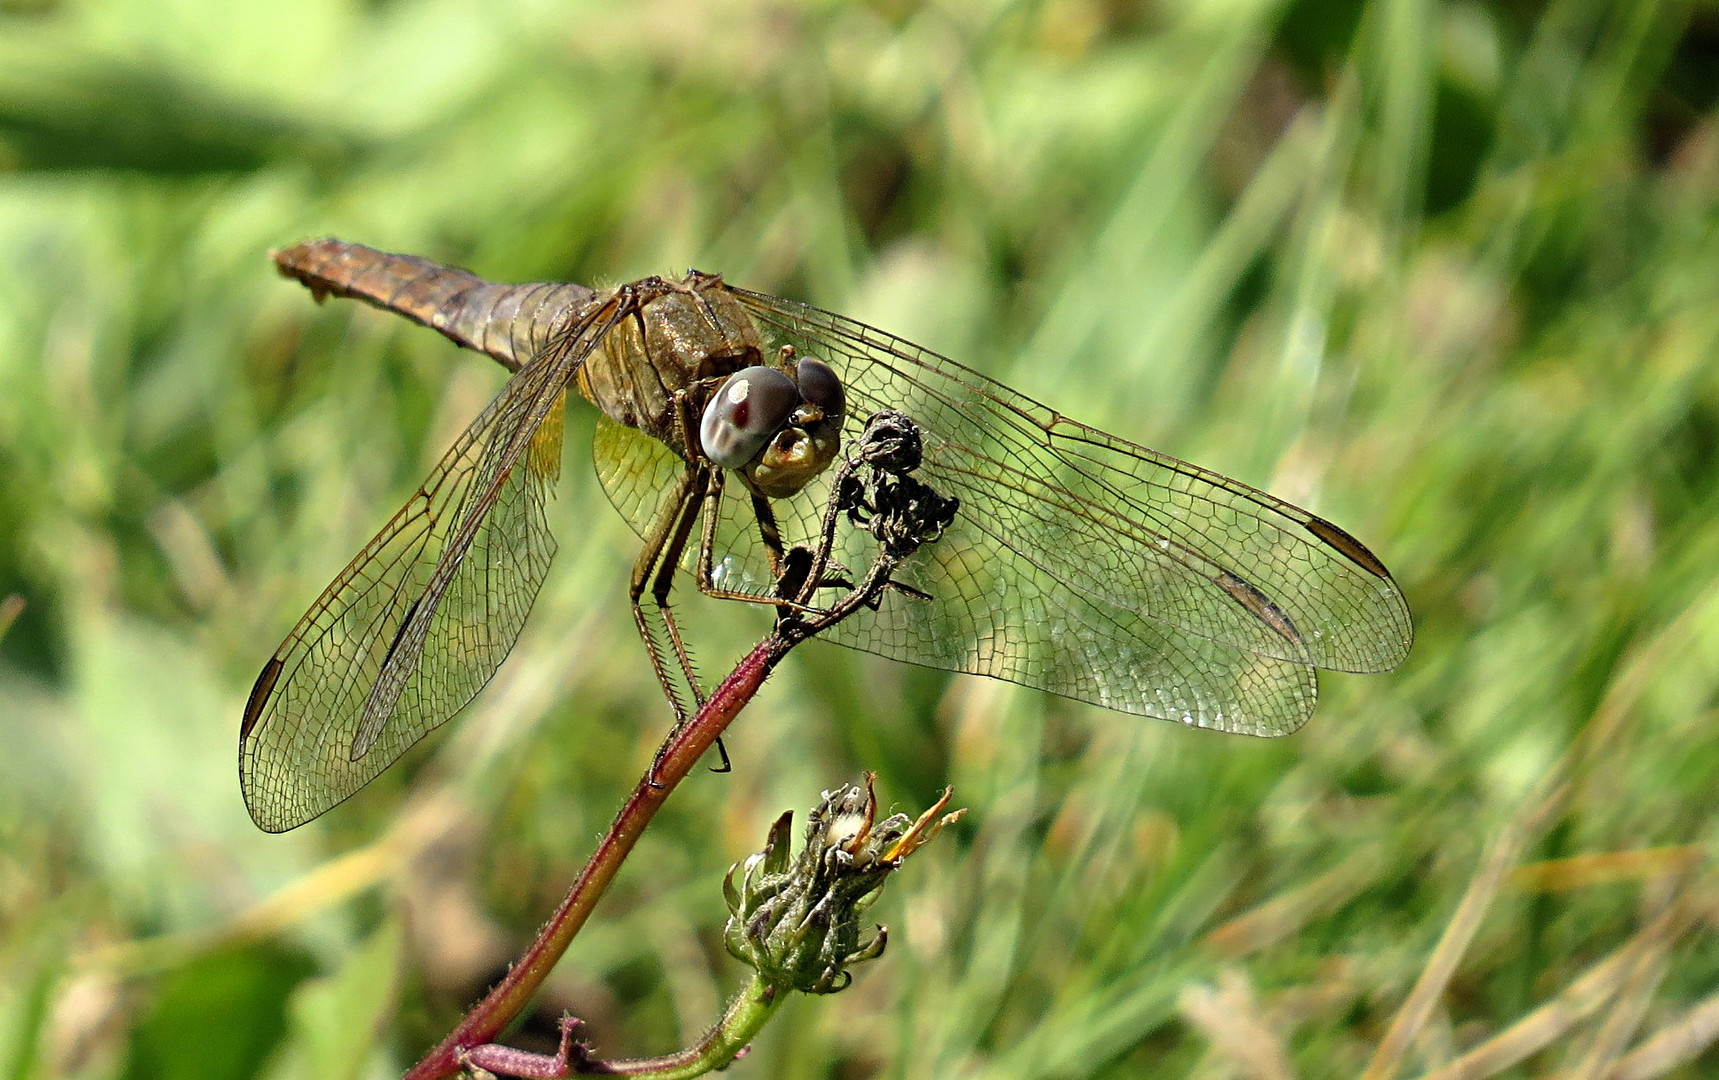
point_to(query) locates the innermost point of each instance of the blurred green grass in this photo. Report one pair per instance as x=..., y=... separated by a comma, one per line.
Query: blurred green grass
x=1447, y=273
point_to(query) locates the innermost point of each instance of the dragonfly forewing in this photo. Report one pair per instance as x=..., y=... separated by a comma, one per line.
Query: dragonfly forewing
x=421, y=619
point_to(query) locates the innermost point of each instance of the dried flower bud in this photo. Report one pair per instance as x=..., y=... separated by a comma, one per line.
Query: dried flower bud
x=901, y=512
x=798, y=923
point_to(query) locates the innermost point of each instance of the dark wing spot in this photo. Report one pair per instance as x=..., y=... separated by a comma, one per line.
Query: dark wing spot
x=1260, y=606
x=1351, y=548
x=394, y=646
x=260, y=696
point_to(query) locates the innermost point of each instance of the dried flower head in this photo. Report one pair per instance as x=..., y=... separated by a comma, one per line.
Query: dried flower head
x=798, y=923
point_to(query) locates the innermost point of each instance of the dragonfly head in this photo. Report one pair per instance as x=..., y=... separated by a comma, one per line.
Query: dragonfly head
x=777, y=431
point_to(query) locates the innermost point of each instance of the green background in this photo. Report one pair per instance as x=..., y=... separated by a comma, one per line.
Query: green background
x=1447, y=273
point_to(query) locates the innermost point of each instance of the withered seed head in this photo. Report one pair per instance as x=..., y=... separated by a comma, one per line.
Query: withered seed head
x=797, y=922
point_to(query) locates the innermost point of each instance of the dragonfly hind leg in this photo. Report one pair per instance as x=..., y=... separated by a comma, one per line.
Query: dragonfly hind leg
x=654, y=571
x=656, y=565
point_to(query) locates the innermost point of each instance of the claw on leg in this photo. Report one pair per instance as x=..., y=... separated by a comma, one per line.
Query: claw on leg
x=726, y=766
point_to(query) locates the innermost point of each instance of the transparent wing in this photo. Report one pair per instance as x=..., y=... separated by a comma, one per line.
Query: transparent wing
x=419, y=621
x=637, y=473
x=1084, y=564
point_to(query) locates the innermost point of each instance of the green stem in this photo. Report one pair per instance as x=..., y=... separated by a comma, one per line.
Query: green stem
x=745, y=1017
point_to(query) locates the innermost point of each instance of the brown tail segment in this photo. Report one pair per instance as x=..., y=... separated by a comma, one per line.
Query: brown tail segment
x=511, y=323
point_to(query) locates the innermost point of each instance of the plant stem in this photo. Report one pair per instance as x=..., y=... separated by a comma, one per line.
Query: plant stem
x=741, y=1022
x=679, y=753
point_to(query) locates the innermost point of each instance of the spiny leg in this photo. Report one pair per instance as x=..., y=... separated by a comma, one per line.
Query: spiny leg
x=669, y=561
x=676, y=527
x=795, y=594
x=645, y=568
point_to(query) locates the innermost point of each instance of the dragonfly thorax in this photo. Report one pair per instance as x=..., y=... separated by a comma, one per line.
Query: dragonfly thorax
x=680, y=336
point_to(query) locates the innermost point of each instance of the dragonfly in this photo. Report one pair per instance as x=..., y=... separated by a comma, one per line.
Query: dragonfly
x=1079, y=563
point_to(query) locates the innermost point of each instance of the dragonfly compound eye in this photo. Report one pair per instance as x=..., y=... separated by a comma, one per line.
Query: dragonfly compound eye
x=819, y=386
x=745, y=414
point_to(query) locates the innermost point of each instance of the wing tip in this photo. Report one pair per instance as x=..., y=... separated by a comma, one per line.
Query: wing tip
x=1391, y=595
x=272, y=826
x=371, y=724
x=265, y=816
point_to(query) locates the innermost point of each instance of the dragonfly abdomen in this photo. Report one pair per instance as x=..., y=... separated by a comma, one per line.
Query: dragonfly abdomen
x=511, y=323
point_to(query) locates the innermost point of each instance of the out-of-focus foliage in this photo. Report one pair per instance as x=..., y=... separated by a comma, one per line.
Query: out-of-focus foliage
x=1446, y=272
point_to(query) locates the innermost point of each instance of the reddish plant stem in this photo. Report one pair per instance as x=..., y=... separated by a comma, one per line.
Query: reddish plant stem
x=679, y=754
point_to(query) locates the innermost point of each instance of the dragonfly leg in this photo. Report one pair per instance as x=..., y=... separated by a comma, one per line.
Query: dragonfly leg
x=647, y=568
x=706, y=575
x=769, y=531
x=668, y=562
x=673, y=530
